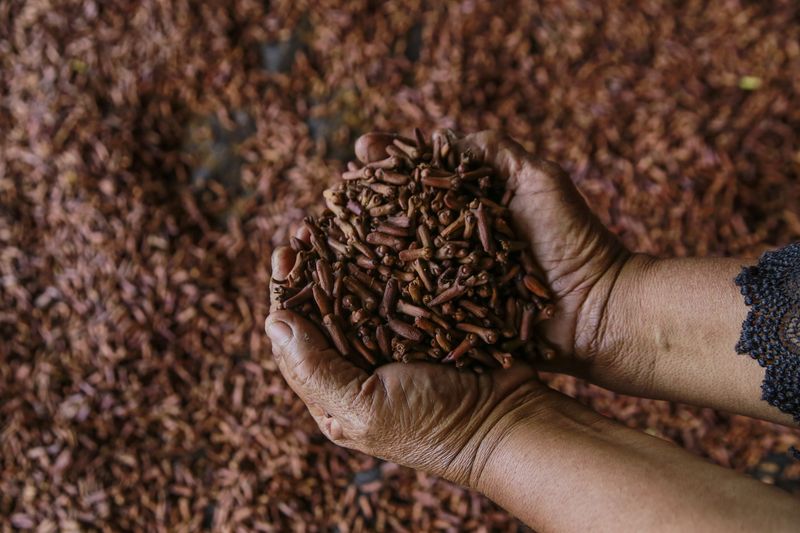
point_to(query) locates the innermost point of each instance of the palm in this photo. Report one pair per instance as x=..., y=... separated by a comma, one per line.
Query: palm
x=401, y=411
x=573, y=250
x=572, y=247
x=413, y=408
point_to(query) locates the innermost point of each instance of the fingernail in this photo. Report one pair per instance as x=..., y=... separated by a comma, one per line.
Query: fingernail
x=279, y=270
x=279, y=332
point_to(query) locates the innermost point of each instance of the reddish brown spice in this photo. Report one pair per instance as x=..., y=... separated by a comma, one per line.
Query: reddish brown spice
x=196, y=215
x=527, y=321
x=535, y=286
x=391, y=292
x=411, y=309
x=385, y=239
x=405, y=330
x=302, y=296
x=448, y=294
x=488, y=335
x=336, y=334
x=323, y=301
x=361, y=291
x=484, y=229
x=469, y=342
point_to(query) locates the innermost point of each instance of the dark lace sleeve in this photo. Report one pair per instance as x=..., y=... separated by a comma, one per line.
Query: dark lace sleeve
x=771, y=332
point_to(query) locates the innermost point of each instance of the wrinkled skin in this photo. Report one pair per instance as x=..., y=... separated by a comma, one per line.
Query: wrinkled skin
x=434, y=417
x=423, y=415
x=579, y=257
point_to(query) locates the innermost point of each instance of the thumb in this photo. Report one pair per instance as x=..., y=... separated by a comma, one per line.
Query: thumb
x=372, y=146
x=313, y=369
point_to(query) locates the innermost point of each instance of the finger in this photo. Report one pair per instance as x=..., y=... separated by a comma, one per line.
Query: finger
x=303, y=234
x=523, y=171
x=282, y=262
x=444, y=147
x=313, y=369
x=372, y=146
x=283, y=259
x=301, y=239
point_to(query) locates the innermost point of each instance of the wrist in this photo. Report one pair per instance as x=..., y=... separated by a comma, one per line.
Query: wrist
x=607, y=324
x=517, y=429
x=669, y=332
x=607, y=296
x=524, y=405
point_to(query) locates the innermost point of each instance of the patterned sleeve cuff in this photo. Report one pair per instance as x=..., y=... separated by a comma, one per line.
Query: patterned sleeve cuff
x=771, y=331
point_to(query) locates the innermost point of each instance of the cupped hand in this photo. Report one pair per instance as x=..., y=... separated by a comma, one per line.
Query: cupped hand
x=423, y=415
x=579, y=257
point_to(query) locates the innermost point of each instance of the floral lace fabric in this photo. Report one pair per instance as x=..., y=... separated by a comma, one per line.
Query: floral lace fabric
x=771, y=331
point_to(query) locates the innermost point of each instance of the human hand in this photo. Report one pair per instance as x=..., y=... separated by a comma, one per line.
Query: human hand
x=579, y=257
x=423, y=415
x=504, y=433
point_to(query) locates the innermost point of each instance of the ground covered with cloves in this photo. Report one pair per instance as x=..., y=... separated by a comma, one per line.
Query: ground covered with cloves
x=152, y=154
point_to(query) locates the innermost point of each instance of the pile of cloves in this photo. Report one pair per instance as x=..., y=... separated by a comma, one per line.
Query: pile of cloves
x=415, y=259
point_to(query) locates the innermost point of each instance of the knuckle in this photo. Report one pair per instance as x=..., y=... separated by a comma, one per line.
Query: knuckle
x=488, y=137
x=362, y=432
x=549, y=168
x=506, y=142
x=331, y=431
x=362, y=426
x=351, y=431
x=314, y=408
x=306, y=370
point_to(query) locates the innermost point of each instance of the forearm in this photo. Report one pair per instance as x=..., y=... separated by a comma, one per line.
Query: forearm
x=675, y=324
x=569, y=469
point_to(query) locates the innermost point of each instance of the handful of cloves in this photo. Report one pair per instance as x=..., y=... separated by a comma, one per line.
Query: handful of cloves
x=415, y=259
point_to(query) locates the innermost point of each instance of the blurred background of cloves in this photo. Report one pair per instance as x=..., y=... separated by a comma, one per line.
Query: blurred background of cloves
x=153, y=153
